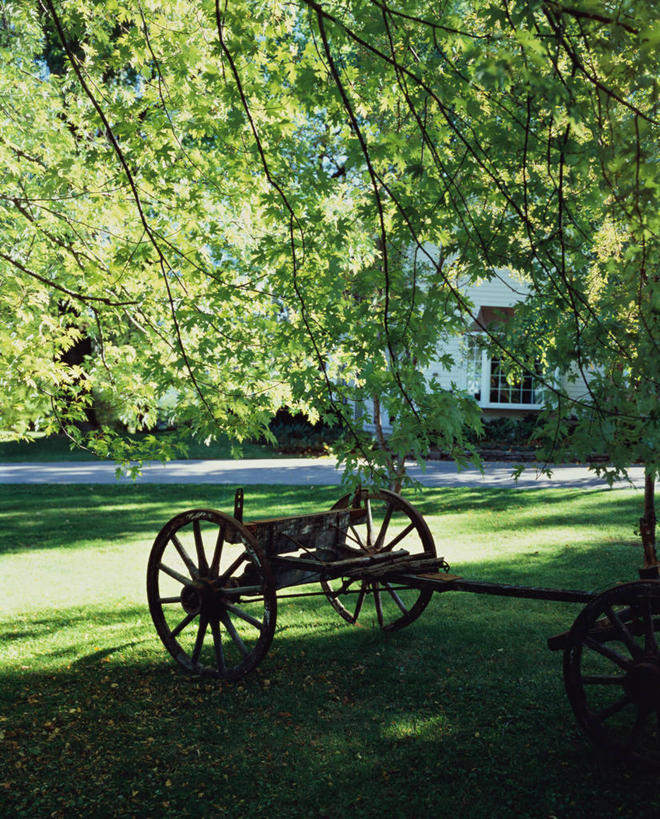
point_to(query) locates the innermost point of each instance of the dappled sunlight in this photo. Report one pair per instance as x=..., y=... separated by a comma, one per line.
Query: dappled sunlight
x=435, y=728
x=466, y=694
x=528, y=556
x=495, y=509
x=67, y=634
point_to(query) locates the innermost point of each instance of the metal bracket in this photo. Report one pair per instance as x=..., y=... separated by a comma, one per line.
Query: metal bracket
x=238, y=505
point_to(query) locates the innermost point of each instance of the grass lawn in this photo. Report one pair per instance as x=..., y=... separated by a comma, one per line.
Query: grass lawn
x=462, y=714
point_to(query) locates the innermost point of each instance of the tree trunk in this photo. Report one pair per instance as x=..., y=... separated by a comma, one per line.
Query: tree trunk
x=648, y=520
x=400, y=471
x=380, y=437
x=396, y=467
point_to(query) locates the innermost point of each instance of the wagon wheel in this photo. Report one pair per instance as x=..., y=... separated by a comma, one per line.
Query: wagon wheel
x=211, y=594
x=612, y=671
x=388, y=523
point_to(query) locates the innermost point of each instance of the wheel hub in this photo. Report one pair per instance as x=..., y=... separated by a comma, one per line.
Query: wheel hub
x=191, y=599
x=202, y=596
x=643, y=682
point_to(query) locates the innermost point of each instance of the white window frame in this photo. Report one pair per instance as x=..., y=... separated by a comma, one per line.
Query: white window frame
x=484, y=379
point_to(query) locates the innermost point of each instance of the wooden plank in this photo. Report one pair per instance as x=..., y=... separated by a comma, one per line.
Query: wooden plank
x=319, y=531
x=355, y=516
x=340, y=566
x=445, y=576
x=294, y=570
x=409, y=564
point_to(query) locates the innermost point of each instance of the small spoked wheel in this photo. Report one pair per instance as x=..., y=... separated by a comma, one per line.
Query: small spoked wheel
x=612, y=671
x=387, y=523
x=211, y=594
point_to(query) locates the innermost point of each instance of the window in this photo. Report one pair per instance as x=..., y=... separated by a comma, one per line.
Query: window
x=486, y=380
x=522, y=391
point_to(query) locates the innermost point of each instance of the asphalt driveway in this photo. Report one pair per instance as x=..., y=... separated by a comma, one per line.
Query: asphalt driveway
x=299, y=471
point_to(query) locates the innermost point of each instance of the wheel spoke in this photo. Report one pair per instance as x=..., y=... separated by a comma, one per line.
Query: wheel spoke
x=624, y=631
x=183, y=554
x=370, y=524
x=612, y=655
x=383, y=529
x=217, y=645
x=396, y=598
x=169, y=599
x=230, y=571
x=235, y=636
x=360, y=601
x=244, y=616
x=378, y=603
x=613, y=709
x=199, y=546
x=409, y=528
x=199, y=642
x=173, y=573
x=356, y=537
x=187, y=619
x=217, y=553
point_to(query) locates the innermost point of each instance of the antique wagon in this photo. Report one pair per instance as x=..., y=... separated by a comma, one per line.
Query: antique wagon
x=213, y=583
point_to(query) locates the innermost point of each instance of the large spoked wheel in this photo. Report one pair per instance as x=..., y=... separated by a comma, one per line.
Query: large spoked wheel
x=612, y=671
x=387, y=523
x=211, y=594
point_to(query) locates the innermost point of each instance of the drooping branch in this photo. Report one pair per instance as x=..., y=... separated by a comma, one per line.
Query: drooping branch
x=52, y=285
x=590, y=14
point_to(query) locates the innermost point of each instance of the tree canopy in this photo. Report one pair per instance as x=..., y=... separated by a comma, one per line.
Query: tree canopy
x=244, y=205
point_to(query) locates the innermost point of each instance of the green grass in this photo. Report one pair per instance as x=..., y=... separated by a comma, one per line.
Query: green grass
x=462, y=713
x=58, y=448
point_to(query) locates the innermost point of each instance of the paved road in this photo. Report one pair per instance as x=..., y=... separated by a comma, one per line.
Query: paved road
x=298, y=471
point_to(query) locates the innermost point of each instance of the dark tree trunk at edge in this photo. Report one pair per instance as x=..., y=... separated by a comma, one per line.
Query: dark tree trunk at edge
x=648, y=520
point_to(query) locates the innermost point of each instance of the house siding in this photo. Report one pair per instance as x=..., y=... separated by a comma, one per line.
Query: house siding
x=504, y=290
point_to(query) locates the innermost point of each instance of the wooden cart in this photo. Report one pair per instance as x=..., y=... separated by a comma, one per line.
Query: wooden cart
x=213, y=582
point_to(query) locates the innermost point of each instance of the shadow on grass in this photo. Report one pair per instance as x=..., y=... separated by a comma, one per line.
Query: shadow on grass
x=598, y=504
x=72, y=516
x=100, y=656
x=463, y=712
x=590, y=567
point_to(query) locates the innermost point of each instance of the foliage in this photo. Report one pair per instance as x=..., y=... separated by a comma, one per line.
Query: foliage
x=507, y=432
x=95, y=720
x=250, y=205
x=295, y=434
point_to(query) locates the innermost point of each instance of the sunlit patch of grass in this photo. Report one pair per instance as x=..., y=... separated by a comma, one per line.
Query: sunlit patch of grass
x=433, y=727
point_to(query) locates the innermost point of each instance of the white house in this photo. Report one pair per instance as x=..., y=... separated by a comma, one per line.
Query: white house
x=474, y=371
